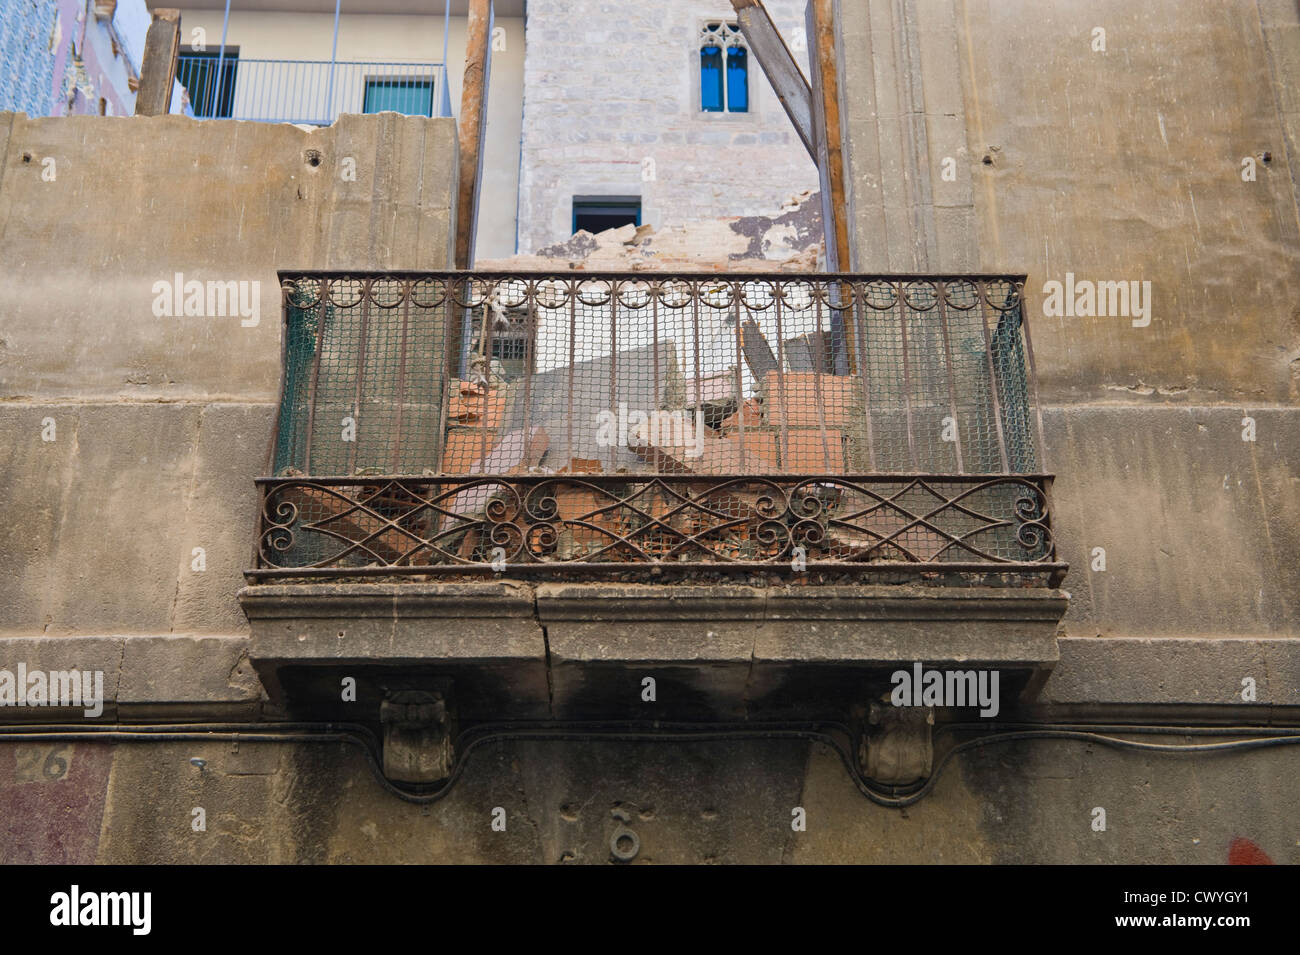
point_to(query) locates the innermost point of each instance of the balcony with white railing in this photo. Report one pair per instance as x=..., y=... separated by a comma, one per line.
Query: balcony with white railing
x=311, y=92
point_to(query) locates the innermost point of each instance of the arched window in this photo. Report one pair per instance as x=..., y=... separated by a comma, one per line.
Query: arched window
x=724, y=69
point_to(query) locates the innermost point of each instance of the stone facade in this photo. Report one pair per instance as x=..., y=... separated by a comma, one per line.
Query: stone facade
x=611, y=107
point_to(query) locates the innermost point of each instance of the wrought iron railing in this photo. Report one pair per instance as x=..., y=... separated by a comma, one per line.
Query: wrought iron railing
x=536, y=524
x=451, y=423
x=311, y=92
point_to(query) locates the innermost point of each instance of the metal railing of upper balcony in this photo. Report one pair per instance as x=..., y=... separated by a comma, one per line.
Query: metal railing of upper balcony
x=313, y=92
x=450, y=423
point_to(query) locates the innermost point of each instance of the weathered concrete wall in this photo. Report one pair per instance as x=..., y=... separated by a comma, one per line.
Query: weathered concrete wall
x=136, y=200
x=1201, y=530
x=1107, y=141
x=1122, y=164
x=610, y=87
x=156, y=425
x=724, y=802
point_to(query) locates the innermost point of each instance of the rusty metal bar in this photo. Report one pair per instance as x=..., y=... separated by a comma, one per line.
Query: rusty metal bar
x=819, y=352
x=864, y=370
x=613, y=374
x=315, y=378
x=375, y=529
x=907, y=375
x=695, y=322
x=361, y=374
x=654, y=350
x=1033, y=371
x=777, y=301
x=740, y=375
x=658, y=277
x=485, y=342
x=573, y=344
x=530, y=357
x=451, y=351
x=401, y=376
x=1052, y=572
x=993, y=383
x=940, y=290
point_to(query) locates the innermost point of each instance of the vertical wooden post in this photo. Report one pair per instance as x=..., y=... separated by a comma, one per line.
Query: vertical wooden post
x=765, y=42
x=823, y=64
x=158, y=71
x=473, y=123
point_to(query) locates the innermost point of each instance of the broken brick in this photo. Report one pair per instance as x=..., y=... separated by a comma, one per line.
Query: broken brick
x=812, y=400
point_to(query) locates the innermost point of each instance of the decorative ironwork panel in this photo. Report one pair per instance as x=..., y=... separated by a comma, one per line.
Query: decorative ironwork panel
x=356, y=527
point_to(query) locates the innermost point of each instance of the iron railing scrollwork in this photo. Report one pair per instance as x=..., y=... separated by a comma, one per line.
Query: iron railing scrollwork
x=342, y=527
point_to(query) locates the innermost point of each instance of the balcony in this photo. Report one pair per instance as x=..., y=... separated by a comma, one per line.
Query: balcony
x=857, y=427
x=764, y=488
x=309, y=92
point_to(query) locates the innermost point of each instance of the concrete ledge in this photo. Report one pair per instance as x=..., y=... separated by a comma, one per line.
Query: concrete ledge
x=738, y=650
x=485, y=637
x=402, y=622
x=826, y=624
x=583, y=650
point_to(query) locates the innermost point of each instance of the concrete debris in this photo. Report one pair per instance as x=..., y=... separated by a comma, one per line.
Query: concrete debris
x=789, y=241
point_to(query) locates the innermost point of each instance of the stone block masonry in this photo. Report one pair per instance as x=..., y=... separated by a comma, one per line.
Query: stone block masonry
x=612, y=107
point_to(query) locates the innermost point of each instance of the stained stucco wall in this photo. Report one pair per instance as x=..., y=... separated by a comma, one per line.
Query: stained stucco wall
x=161, y=421
x=1107, y=141
x=726, y=802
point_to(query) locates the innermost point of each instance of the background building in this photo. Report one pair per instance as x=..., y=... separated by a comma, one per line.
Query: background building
x=397, y=42
x=670, y=96
x=615, y=118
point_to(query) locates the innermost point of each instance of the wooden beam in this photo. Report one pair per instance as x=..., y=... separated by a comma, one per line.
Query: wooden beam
x=782, y=71
x=823, y=63
x=473, y=123
x=158, y=71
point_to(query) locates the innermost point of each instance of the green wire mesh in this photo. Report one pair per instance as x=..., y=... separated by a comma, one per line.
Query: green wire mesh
x=364, y=377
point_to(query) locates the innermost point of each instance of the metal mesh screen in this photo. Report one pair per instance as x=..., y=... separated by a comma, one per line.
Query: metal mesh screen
x=452, y=419
x=666, y=375
x=364, y=377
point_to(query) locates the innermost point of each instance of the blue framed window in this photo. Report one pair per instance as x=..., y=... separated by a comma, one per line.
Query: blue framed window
x=209, y=78
x=724, y=69
x=595, y=214
x=412, y=97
